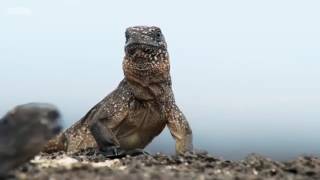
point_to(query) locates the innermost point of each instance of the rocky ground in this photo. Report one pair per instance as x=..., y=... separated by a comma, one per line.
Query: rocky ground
x=93, y=166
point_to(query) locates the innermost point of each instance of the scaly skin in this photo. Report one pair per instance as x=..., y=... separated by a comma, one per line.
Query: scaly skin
x=138, y=109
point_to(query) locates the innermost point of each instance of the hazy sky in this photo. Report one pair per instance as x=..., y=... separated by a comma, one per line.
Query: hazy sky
x=245, y=73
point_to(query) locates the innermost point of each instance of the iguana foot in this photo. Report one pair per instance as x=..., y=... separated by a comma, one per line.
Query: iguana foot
x=137, y=152
x=112, y=152
x=117, y=152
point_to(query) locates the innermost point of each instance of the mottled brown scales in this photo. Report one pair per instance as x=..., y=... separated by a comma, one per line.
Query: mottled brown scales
x=138, y=109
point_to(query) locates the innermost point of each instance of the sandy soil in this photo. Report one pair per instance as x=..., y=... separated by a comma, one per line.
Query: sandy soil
x=93, y=166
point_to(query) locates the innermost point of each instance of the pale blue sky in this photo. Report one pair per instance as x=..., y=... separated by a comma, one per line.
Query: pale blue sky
x=245, y=73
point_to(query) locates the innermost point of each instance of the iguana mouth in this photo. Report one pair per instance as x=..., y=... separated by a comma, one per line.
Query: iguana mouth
x=138, y=50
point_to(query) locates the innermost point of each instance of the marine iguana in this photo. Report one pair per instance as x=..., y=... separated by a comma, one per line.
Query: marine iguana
x=24, y=131
x=138, y=109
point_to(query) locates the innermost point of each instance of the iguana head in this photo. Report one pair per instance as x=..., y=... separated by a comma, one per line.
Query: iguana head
x=144, y=42
x=33, y=122
x=146, y=53
x=24, y=131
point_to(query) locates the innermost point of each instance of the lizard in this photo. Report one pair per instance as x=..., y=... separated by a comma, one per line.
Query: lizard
x=24, y=131
x=138, y=109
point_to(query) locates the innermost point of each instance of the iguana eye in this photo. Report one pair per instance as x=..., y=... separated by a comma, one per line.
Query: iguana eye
x=158, y=35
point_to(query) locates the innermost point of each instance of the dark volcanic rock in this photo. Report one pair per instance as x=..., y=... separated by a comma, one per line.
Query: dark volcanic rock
x=91, y=165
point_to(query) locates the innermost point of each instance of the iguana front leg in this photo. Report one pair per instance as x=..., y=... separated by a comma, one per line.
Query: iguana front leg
x=104, y=137
x=179, y=128
x=109, y=113
x=107, y=142
x=102, y=133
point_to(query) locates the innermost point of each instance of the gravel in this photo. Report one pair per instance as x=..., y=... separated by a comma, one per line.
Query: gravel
x=93, y=165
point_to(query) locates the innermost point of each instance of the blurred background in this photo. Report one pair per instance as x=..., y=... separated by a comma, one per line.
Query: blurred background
x=245, y=73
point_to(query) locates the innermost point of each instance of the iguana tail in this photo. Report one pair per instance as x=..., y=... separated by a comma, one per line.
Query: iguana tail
x=58, y=143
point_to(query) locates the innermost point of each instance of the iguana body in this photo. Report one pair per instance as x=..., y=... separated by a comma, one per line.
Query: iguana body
x=138, y=109
x=23, y=133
